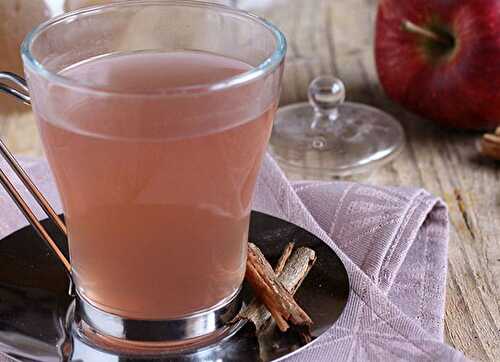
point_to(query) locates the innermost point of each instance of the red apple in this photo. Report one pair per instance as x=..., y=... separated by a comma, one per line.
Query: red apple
x=441, y=59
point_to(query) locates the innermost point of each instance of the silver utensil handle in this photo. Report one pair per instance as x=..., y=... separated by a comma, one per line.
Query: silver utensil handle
x=23, y=96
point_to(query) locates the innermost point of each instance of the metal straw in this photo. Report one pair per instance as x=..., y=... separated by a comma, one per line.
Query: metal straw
x=26, y=180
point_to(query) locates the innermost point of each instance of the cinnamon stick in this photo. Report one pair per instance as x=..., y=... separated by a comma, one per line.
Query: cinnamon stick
x=297, y=268
x=275, y=292
x=284, y=258
x=490, y=145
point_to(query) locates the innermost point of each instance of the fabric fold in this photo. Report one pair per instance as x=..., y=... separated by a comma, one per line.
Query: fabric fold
x=373, y=327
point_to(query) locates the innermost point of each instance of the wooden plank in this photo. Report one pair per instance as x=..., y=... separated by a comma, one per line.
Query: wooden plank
x=20, y=133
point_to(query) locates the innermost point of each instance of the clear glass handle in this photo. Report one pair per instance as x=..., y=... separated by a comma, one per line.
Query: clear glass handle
x=326, y=94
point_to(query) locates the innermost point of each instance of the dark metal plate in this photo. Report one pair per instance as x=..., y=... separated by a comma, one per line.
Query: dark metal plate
x=34, y=300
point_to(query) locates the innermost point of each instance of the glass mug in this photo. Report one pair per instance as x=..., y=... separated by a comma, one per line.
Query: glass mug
x=154, y=117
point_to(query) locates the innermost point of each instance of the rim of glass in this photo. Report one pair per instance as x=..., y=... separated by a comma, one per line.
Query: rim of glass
x=265, y=67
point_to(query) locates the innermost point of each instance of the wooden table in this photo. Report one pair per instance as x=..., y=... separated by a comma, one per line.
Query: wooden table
x=335, y=37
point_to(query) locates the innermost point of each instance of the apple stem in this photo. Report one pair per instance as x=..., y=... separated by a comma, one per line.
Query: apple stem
x=415, y=29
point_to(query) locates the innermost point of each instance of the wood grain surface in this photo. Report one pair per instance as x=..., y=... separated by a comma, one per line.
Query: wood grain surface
x=336, y=37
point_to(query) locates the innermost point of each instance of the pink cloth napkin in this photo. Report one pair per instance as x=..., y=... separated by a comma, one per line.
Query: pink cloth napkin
x=393, y=242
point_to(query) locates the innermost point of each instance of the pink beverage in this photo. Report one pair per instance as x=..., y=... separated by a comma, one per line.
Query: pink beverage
x=156, y=191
